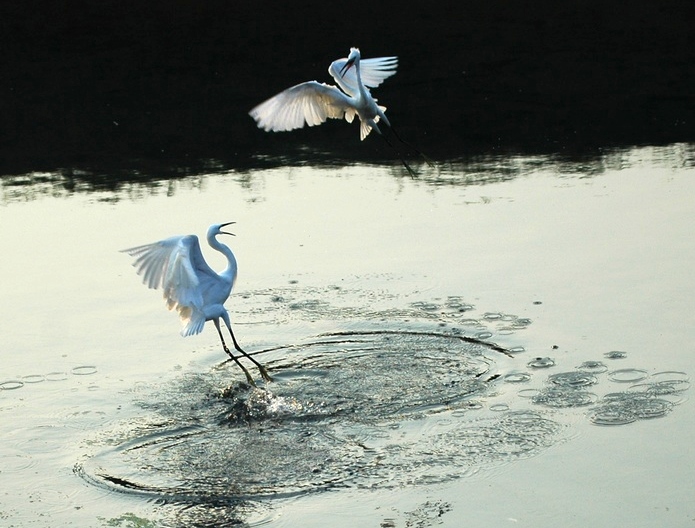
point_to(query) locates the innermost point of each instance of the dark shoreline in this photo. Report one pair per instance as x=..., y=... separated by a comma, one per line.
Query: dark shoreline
x=122, y=85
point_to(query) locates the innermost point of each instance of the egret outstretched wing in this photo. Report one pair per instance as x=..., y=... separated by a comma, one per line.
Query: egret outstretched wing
x=310, y=102
x=372, y=71
x=176, y=265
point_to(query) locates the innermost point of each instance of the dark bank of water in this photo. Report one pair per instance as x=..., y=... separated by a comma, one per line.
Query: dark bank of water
x=162, y=85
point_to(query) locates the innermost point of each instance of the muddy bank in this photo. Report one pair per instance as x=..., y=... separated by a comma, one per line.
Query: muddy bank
x=143, y=84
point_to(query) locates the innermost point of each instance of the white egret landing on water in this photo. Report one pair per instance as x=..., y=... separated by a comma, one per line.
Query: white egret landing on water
x=190, y=286
x=312, y=102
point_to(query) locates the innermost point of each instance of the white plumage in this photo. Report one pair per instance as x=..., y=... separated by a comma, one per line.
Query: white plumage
x=312, y=103
x=191, y=287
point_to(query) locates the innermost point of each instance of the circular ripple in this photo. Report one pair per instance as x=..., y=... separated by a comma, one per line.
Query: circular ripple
x=564, y=397
x=11, y=385
x=608, y=415
x=517, y=377
x=57, y=376
x=84, y=370
x=363, y=410
x=593, y=366
x=541, y=362
x=574, y=379
x=627, y=375
x=662, y=388
x=34, y=378
x=620, y=408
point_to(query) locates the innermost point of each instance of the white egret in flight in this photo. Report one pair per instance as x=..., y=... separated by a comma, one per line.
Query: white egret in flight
x=312, y=102
x=176, y=265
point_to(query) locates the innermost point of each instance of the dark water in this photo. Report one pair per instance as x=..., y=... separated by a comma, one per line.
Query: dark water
x=165, y=86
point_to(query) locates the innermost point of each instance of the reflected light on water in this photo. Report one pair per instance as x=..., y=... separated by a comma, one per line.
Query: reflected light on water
x=136, y=182
x=578, y=270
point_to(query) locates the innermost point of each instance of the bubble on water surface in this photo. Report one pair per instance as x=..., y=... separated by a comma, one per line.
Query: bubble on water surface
x=615, y=354
x=596, y=367
x=541, y=362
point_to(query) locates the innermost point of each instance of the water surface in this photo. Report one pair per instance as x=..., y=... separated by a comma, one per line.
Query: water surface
x=502, y=341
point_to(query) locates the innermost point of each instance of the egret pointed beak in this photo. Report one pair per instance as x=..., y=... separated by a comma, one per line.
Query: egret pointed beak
x=346, y=67
x=226, y=232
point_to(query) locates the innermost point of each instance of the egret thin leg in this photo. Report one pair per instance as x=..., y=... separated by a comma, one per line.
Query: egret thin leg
x=261, y=368
x=236, y=360
x=426, y=158
x=412, y=173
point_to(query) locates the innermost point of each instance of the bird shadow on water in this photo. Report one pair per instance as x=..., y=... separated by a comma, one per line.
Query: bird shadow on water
x=360, y=409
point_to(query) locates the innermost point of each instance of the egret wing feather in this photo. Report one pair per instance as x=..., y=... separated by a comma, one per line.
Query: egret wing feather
x=308, y=103
x=177, y=267
x=372, y=71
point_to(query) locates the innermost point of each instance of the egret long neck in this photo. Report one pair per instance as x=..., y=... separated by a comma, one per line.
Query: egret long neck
x=231, y=269
x=360, y=87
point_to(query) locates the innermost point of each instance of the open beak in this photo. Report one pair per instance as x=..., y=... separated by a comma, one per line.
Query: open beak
x=346, y=67
x=226, y=232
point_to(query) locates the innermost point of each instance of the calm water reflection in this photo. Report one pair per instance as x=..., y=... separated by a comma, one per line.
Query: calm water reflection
x=357, y=284
x=140, y=180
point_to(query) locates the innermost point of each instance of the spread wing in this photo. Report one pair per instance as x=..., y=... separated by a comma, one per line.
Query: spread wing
x=372, y=71
x=310, y=102
x=177, y=267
